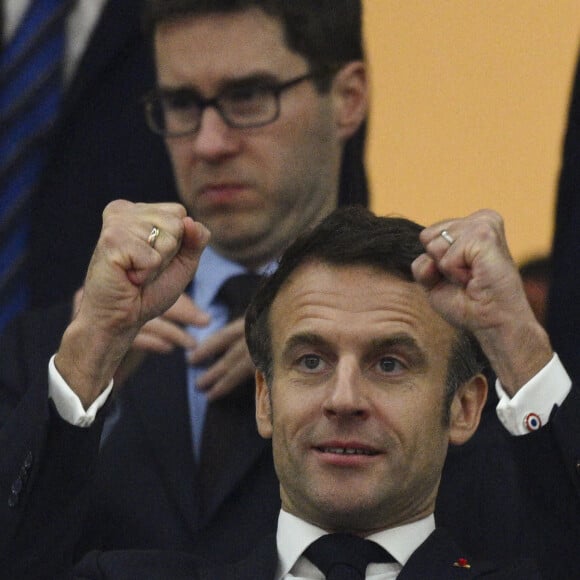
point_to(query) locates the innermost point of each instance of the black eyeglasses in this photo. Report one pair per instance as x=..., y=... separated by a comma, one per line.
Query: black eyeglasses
x=173, y=113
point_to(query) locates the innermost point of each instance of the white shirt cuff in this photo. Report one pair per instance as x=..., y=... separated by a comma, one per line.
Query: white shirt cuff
x=531, y=406
x=68, y=404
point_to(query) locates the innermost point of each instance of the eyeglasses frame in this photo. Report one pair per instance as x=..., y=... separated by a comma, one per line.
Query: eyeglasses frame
x=276, y=89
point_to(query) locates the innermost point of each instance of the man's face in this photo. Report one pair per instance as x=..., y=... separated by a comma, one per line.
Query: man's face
x=255, y=189
x=356, y=418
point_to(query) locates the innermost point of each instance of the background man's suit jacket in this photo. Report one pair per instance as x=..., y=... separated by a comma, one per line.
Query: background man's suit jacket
x=502, y=496
x=434, y=560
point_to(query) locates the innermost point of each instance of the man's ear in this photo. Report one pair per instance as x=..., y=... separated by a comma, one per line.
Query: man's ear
x=263, y=407
x=466, y=408
x=350, y=94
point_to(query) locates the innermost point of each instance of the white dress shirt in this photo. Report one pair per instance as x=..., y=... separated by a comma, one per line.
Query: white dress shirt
x=537, y=398
x=295, y=535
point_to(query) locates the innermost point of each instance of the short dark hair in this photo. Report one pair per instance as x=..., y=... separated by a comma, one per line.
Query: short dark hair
x=354, y=236
x=327, y=33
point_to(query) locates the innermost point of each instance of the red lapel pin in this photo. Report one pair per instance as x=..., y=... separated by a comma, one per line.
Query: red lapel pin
x=462, y=563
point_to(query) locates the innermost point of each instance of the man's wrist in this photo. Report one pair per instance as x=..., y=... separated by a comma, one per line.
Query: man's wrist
x=530, y=408
x=88, y=358
x=518, y=356
x=67, y=402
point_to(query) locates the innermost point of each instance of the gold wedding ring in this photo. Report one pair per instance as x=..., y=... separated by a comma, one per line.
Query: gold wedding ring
x=447, y=237
x=155, y=231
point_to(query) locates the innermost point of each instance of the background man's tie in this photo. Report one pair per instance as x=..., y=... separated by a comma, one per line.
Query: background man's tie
x=345, y=556
x=30, y=95
x=223, y=416
x=236, y=293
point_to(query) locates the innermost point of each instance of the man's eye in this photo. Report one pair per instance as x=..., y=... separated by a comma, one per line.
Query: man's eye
x=389, y=364
x=310, y=362
x=179, y=100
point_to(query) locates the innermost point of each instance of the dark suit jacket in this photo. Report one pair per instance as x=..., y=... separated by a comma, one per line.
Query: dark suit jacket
x=101, y=150
x=46, y=465
x=563, y=314
x=502, y=496
x=433, y=560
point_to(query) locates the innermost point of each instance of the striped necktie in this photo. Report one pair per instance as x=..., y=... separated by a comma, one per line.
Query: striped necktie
x=30, y=95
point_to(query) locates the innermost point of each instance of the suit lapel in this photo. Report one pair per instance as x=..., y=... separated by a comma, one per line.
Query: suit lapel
x=159, y=395
x=435, y=559
x=117, y=28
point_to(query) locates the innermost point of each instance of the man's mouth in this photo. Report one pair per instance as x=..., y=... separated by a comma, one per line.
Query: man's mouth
x=347, y=451
x=221, y=193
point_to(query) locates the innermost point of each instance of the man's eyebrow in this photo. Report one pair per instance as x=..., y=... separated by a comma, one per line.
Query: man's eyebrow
x=402, y=342
x=259, y=78
x=262, y=78
x=302, y=339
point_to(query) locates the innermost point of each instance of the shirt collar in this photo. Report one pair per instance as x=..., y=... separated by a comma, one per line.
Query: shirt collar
x=294, y=535
x=213, y=271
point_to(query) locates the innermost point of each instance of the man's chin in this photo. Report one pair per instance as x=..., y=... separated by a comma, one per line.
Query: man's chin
x=349, y=520
x=232, y=233
x=346, y=512
x=230, y=241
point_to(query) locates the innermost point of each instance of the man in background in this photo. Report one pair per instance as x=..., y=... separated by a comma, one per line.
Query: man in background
x=93, y=150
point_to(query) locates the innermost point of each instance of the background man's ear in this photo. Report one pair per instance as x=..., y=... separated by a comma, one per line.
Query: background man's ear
x=350, y=94
x=263, y=407
x=466, y=408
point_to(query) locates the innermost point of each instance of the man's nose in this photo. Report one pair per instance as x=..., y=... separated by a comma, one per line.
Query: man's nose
x=214, y=138
x=346, y=395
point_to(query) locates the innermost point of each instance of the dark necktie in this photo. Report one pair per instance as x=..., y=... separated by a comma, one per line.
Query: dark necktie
x=237, y=292
x=345, y=556
x=222, y=416
x=30, y=94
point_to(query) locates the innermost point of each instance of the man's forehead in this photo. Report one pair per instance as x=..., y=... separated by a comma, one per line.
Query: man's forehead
x=216, y=48
x=318, y=275
x=317, y=295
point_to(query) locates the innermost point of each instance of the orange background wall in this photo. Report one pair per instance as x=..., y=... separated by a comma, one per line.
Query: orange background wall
x=469, y=104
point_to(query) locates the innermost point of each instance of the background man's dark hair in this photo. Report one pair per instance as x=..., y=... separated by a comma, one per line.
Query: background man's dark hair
x=327, y=33
x=354, y=236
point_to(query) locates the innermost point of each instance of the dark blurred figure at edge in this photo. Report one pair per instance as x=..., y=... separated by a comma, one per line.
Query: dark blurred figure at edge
x=563, y=314
x=536, y=273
